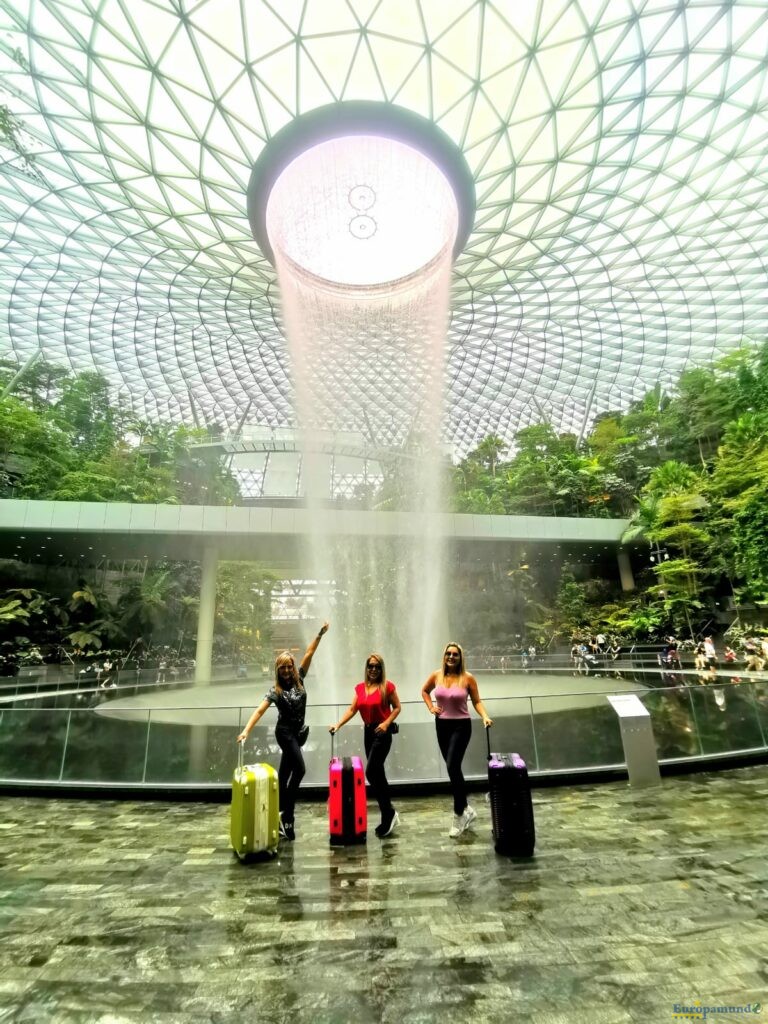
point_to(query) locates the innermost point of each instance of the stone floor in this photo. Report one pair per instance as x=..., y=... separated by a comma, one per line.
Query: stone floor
x=137, y=912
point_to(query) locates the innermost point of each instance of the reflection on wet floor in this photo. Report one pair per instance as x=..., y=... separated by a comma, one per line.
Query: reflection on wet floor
x=635, y=901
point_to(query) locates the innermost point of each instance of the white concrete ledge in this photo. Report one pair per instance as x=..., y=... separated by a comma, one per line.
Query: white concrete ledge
x=213, y=521
x=89, y=532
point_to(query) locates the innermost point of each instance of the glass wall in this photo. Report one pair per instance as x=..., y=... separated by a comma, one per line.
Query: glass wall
x=123, y=742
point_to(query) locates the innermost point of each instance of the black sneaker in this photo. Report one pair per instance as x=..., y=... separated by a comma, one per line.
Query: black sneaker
x=281, y=829
x=290, y=832
x=378, y=831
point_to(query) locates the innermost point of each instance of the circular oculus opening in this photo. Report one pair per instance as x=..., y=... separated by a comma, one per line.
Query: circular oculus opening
x=362, y=211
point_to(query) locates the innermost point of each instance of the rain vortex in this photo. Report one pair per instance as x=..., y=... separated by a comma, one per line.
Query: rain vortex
x=363, y=231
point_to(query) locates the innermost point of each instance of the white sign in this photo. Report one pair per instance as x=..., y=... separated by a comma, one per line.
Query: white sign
x=627, y=705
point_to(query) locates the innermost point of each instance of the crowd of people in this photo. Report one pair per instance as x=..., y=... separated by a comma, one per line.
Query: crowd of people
x=751, y=653
x=593, y=652
x=116, y=668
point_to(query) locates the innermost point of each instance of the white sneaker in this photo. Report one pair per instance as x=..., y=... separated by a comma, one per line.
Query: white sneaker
x=467, y=817
x=392, y=825
x=457, y=827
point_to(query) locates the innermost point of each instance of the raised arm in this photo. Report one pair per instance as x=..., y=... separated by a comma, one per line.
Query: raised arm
x=253, y=720
x=349, y=713
x=478, y=705
x=306, y=661
x=426, y=689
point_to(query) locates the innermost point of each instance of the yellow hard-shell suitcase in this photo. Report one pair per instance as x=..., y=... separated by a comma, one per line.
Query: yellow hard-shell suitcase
x=255, y=813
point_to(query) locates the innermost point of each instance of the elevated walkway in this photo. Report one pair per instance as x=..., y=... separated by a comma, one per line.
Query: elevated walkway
x=48, y=530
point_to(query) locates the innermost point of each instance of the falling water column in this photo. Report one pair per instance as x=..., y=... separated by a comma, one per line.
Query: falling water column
x=363, y=230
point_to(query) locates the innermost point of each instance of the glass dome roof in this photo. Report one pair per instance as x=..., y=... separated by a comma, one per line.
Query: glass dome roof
x=618, y=151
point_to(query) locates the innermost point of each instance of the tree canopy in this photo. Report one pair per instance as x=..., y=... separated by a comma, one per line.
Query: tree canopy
x=686, y=465
x=63, y=437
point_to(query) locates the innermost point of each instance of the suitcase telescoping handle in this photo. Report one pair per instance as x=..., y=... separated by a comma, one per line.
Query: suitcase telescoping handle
x=488, y=739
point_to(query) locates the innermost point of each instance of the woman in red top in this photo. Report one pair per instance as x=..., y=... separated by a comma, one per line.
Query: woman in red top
x=377, y=701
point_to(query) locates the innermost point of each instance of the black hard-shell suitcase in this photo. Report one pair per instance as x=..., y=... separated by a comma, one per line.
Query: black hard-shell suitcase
x=514, y=832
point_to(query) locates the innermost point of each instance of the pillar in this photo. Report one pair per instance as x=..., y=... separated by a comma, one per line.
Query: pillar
x=625, y=571
x=206, y=614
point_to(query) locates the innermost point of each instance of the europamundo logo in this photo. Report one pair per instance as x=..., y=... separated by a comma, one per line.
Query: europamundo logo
x=700, y=1011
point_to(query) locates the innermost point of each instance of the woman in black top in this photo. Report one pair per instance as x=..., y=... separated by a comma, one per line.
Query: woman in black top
x=290, y=698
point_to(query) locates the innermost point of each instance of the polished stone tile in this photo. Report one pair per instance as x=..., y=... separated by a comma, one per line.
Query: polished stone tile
x=119, y=913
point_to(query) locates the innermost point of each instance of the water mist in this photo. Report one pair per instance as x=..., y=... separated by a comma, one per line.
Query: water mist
x=363, y=230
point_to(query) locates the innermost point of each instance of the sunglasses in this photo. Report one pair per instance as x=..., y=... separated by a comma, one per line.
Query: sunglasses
x=374, y=664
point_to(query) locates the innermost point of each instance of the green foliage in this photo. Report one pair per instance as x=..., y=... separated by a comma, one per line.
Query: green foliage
x=34, y=452
x=572, y=605
x=155, y=608
x=81, y=639
x=636, y=617
x=688, y=467
x=12, y=611
x=12, y=137
x=63, y=437
x=244, y=610
x=750, y=533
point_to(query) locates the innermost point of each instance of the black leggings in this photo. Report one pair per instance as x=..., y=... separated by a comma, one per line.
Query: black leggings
x=377, y=746
x=291, y=771
x=453, y=739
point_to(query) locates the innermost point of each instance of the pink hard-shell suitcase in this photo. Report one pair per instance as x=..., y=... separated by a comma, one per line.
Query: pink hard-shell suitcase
x=347, y=808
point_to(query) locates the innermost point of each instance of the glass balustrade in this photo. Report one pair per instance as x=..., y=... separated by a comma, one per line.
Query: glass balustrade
x=73, y=736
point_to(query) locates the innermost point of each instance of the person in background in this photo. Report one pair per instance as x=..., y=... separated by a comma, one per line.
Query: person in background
x=731, y=659
x=670, y=649
x=709, y=651
x=290, y=698
x=451, y=685
x=575, y=657
x=700, y=657
x=377, y=701
x=754, y=663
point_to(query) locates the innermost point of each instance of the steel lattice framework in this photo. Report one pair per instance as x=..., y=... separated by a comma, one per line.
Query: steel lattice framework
x=618, y=150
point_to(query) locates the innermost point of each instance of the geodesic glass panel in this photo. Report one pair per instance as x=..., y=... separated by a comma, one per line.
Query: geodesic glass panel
x=618, y=152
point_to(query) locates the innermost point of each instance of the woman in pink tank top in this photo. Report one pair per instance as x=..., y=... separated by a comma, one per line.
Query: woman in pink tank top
x=451, y=686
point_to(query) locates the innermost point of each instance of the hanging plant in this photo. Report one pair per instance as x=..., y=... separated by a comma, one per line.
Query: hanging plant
x=11, y=136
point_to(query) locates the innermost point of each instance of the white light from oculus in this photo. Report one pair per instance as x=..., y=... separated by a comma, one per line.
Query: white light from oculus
x=362, y=210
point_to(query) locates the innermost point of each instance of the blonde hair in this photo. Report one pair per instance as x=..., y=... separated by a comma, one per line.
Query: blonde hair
x=383, y=681
x=462, y=670
x=286, y=658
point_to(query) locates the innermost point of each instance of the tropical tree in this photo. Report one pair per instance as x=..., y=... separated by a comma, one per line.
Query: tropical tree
x=150, y=605
x=244, y=609
x=676, y=502
x=84, y=412
x=34, y=453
